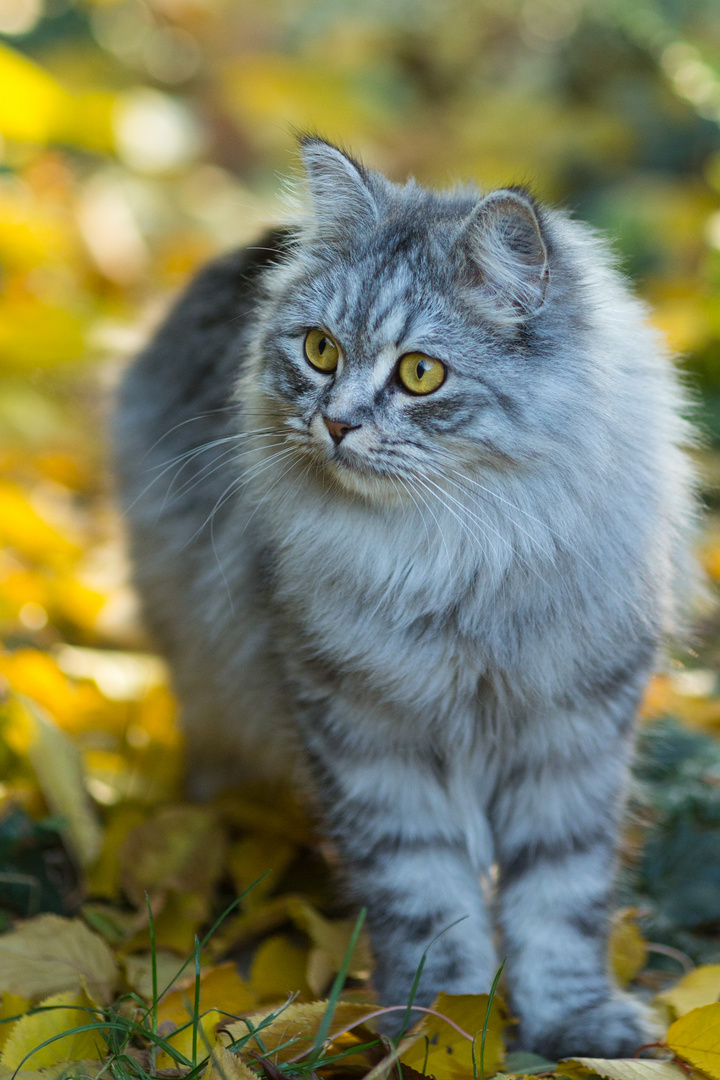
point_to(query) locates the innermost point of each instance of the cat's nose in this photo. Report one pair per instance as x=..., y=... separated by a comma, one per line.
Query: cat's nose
x=338, y=429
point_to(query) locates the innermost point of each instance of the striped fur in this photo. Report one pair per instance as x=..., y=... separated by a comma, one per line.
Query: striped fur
x=445, y=622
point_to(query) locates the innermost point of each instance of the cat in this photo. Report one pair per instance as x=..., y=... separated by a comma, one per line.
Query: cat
x=408, y=502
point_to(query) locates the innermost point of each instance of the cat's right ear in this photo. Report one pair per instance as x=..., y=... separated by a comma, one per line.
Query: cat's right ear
x=343, y=195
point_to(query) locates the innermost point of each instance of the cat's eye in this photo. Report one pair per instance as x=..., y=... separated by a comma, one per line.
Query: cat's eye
x=421, y=374
x=321, y=351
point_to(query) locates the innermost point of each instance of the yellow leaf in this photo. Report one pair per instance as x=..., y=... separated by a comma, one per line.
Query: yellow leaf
x=299, y=1023
x=224, y=1065
x=50, y=954
x=450, y=1053
x=59, y=770
x=622, y=1069
x=253, y=857
x=698, y=987
x=221, y=989
x=104, y=877
x=695, y=1037
x=68, y=1011
x=10, y=1005
x=627, y=950
x=182, y=1041
x=331, y=940
x=278, y=969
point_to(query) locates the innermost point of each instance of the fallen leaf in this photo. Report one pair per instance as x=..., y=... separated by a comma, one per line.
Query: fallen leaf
x=224, y=1065
x=10, y=1005
x=695, y=1038
x=65, y=1011
x=138, y=972
x=180, y=848
x=58, y=766
x=279, y=969
x=50, y=954
x=221, y=988
x=331, y=939
x=698, y=987
x=627, y=950
x=621, y=1069
x=298, y=1023
x=449, y=1056
x=182, y=1040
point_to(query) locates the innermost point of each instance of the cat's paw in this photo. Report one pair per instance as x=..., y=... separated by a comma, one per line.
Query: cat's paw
x=611, y=1028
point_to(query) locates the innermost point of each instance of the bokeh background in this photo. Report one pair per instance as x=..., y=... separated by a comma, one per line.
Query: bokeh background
x=138, y=138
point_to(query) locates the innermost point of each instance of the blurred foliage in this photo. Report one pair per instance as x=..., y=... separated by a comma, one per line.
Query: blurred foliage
x=138, y=137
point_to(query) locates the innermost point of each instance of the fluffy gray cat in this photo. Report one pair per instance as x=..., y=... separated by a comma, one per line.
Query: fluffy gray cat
x=407, y=502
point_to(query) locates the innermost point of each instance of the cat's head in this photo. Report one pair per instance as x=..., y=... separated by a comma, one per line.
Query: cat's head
x=401, y=339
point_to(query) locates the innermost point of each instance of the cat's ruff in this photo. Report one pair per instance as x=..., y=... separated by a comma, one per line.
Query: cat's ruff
x=440, y=583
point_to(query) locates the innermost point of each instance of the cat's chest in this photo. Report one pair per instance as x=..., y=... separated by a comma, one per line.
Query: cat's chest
x=416, y=614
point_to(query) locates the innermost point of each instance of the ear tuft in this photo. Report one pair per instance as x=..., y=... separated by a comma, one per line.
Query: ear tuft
x=507, y=254
x=343, y=191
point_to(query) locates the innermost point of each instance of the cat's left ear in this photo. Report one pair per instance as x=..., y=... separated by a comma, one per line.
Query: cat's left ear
x=344, y=193
x=506, y=254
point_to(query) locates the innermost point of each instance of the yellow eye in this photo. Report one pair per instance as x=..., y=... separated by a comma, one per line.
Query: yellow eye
x=421, y=374
x=321, y=351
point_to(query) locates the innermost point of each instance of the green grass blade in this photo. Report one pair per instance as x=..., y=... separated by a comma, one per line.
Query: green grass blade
x=416, y=981
x=491, y=997
x=335, y=991
x=196, y=1003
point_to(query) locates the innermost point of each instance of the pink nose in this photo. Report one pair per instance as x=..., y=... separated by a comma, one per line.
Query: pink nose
x=338, y=429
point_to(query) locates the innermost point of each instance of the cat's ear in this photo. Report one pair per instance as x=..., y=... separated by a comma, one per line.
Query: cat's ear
x=506, y=254
x=343, y=192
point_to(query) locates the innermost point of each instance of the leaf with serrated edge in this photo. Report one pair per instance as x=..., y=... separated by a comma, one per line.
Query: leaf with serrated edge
x=34, y=1029
x=299, y=1022
x=226, y=1066
x=620, y=1069
x=695, y=1038
x=450, y=1053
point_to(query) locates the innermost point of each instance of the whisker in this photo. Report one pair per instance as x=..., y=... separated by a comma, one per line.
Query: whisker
x=239, y=482
x=218, y=463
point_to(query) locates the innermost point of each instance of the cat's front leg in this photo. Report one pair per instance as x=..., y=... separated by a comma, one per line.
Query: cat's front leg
x=408, y=856
x=556, y=820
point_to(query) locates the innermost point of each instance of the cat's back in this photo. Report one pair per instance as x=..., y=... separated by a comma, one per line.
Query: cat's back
x=177, y=441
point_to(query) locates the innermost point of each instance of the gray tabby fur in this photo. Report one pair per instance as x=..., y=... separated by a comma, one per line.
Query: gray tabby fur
x=450, y=617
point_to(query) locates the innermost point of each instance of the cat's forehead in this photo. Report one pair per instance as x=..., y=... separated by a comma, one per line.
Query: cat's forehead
x=388, y=295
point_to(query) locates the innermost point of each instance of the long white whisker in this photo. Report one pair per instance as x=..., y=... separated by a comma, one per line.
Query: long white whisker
x=218, y=463
x=483, y=523
x=239, y=482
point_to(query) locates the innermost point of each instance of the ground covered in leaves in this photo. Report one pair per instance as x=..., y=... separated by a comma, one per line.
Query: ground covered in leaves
x=145, y=936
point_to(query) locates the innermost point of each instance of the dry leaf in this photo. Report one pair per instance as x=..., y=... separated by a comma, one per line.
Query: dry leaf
x=180, y=848
x=221, y=988
x=66, y=1011
x=621, y=1069
x=58, y=766
x=299, y=1024
x=224, y=1065
x=627, y=950
x=449, y=1056
x=50, y=954
x=698, y=987
x=695, y=1038
x=279, y=968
